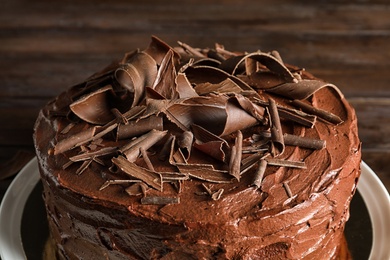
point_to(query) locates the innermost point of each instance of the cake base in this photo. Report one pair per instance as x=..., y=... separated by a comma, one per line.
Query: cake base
x=49, y=252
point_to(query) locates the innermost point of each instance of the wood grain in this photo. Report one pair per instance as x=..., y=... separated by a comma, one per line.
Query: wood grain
x=47, y=46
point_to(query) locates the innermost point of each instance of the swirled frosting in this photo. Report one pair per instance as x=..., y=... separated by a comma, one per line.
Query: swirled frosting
x=188, y=153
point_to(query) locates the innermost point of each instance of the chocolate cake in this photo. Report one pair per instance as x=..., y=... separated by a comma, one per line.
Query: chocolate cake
x=190, y=153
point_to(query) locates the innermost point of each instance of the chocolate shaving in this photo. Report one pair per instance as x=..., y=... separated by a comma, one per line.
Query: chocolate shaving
x=209, y=143
x=215, y=195
x=205, y=173
x=292, y=114
x=327, y=116
x=121, y=119
x=276, y=130
x=112, y=182
x=140, y=72
x=297, y=117
x=137, y=189
x=304, y=142
x=94, y=108
x=301, y=89
x=251, y=108
x=226, y=86
x=173, y=176
x=91, y=155
x=192, y=51
x=183, y=87
x=102, y=131
x=146, y=159
x=157, y=49
x=139, y=127
x=259, y=174
x=73, y=140
x=153, y=179
x=67, y=128
x=83, y=167
x=235, y=156
x=185, y=143
x=156, y=200
x=134, y=112
x=272, y=63
x=166, y=76
x=132, y=149
x=202, y=74
x=286, y=163
x=177, y=157
x=287, y=188
x=166, y=149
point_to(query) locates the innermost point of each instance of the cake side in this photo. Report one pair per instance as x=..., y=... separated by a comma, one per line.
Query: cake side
x=196, y=200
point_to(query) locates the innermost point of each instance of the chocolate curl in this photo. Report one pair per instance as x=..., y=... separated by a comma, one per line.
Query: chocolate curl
x=203, y=74
x=191, y=50
x=183, y=87
x=166, y=150
x=91, y=155
x=325, y=115
x=156, y=106
x=205, y=172
x=137, y=189
x=157, y=49
x=273, y=64
x=297, y=117
x=176, y=156
x=286, y=163
x=153, y=179
x=74, y=140
x=94, y=108
x=253, y=109
x=235, y=156
x=293, y=114
x=146, y=159
x=301, y=89
x=116, y=182
x=140, y=72
x=185, y=143
x=287, y=188
x=304, y=142
x=248, y=162
x=132, y=149
x=276, y=129
x=250, y=66
x=259, y=174
x=165, y=81
x=237, y=119
x=139, y=127
x=226, y=86
x=209, y=143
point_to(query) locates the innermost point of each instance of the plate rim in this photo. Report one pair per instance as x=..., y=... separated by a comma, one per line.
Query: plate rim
x=11, y=209
x=23, y=184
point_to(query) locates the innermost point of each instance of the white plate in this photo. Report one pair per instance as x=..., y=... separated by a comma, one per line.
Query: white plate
x=374, y=194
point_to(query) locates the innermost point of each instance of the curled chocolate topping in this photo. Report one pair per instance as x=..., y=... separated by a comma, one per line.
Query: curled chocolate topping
x=139, y=72
x=94, y=108
x=169, y=115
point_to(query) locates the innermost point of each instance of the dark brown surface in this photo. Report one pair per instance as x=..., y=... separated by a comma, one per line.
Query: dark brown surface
x=46, y=46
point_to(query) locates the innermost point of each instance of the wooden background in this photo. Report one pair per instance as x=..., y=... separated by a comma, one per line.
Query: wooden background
x=46, y=46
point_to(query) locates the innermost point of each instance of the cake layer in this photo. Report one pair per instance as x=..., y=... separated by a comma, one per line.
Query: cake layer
x=186, y=153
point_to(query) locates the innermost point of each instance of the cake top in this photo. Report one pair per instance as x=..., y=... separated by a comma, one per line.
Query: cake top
x=167, y=117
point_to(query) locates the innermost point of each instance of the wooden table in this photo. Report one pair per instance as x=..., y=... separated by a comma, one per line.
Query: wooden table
x=47, y=46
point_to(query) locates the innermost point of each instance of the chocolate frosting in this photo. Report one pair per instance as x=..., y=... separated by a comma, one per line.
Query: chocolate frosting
x=187, y=153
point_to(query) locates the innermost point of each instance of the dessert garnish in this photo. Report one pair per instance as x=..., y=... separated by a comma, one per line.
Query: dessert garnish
x=181, y=99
